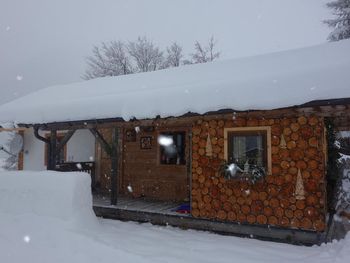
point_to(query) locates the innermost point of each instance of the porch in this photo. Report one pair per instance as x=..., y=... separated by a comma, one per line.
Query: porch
x=140, y=205
x=164, y=213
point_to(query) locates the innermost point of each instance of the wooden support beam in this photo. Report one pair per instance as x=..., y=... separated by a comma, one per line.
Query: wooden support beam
x=52, y=151
x=64, y=141
x=112, y=151
x=189, y=166
x=12, y=129
x=101, y=140
x=114, y=167
x=52, y=146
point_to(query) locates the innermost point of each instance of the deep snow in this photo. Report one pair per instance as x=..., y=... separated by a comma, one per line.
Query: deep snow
x=35, y=232
x=262, y=82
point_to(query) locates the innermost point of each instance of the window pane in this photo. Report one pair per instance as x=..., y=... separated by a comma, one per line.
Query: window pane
x=172, y=148
x=248, y=148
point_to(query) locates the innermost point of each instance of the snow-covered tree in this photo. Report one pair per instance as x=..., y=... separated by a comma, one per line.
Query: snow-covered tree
x=204, y=54
x=174, y=56
x=111, y=59
x=146, y=55
x=341, y=22
x=117, y=58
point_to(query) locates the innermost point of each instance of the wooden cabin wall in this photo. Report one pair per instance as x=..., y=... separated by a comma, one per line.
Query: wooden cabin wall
x=147, y=177
x=104, y=163
x=271, y=200
x=140, y=174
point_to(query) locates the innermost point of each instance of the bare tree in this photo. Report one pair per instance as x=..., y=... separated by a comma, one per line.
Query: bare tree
x=116, y=58
x=212, y=54
x=204, y=54
x=111, y=59
x=145, y=54
x=174, y=56
x=341, y=23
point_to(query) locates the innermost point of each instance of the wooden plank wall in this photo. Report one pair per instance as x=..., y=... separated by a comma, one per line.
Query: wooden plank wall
x=144, y=174
x=140, y=172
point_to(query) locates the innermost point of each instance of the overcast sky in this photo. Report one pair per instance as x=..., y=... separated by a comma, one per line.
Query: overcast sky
x=45, y=42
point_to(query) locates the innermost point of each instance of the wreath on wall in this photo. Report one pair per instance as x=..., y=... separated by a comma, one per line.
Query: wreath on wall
x=251, y=173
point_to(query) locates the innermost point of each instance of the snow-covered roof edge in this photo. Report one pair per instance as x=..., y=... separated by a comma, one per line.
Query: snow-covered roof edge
x=263, y=82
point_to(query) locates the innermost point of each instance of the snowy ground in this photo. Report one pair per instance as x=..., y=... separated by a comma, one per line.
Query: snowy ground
x=40, y=233
x=37, y=239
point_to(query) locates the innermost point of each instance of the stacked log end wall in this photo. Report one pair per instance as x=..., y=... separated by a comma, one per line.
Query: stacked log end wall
x=271, y=200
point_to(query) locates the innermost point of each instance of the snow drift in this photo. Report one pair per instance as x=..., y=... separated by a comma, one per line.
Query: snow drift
x=64, y=196
x=268, y=81
x=37, y=208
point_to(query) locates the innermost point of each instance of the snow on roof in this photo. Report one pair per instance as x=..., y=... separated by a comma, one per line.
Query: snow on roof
x=262, y=82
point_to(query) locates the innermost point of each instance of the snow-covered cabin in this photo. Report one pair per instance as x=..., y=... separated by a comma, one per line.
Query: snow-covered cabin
x=242, y=142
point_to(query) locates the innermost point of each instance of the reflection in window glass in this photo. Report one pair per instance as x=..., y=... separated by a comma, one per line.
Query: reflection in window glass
x=247, y=148
x=172, y=148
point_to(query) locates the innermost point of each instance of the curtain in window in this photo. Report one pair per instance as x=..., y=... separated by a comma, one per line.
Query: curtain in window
x=259, y=144
x=239, y=149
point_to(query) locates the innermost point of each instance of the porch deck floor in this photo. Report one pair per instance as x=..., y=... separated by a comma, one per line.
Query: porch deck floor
x=139, y=204
x=163, y=213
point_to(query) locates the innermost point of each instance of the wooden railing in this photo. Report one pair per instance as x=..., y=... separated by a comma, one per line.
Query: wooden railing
x=87, y=167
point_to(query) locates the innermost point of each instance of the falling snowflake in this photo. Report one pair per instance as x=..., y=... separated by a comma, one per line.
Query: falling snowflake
x=165, y=141
x=234, y=116
x=313, y=88
x=91, y=158
x=19, y=77
x=137, y=129
x=8, y=28
x=78, y=165
x=26, y=239
x=129, y=188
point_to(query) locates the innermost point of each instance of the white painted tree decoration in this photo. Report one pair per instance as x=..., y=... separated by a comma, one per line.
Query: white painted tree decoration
x=299, y=188
x=209, y=148
x=283, y=142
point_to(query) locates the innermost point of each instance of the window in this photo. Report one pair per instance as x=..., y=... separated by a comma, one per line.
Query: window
x=248, y=147
x=63, y=153
x=172, y=148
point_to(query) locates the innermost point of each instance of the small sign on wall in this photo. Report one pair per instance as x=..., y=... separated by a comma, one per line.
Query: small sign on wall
x=130, y=135
x=146, y=142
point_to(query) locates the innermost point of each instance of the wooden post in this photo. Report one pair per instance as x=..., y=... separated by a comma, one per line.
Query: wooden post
x=52, y=151
x=114, y=167
x=112, y=151
x=189, y=167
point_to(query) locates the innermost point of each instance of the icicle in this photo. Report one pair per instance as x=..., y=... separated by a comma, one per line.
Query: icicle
x=283, y=142
x=208, y=148
x=299, y=188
